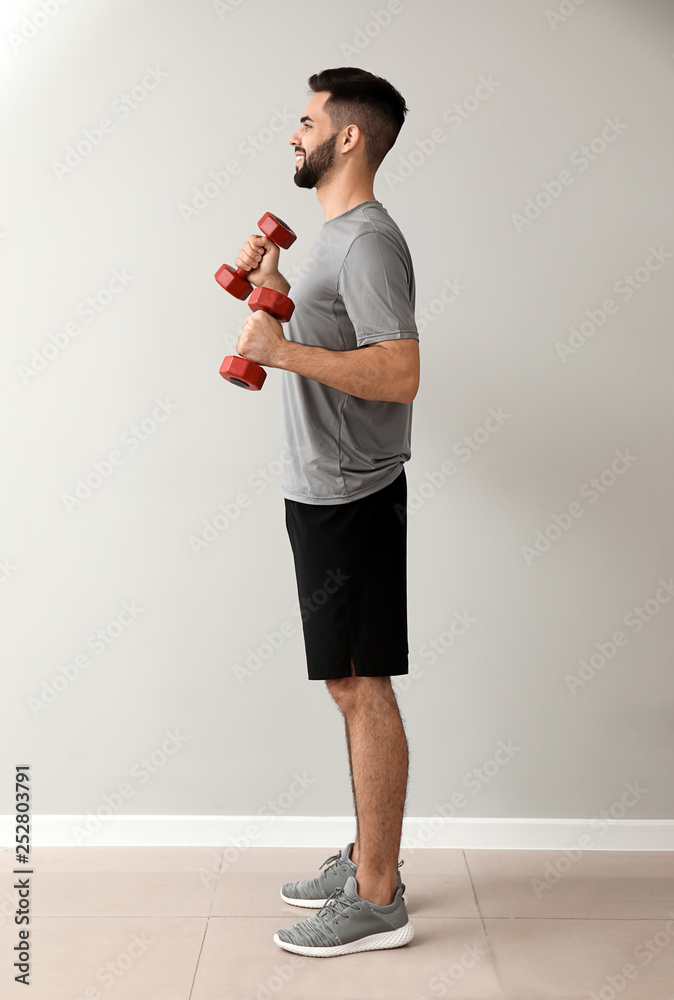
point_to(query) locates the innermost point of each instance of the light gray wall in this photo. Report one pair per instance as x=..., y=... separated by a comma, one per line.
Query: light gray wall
x=228, y=72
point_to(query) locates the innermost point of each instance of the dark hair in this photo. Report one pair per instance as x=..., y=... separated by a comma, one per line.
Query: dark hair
x=363, y=99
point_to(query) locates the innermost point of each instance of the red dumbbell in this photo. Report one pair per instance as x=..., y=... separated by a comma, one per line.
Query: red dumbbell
x=233, y=280
x=234, y=368
x=240, y=371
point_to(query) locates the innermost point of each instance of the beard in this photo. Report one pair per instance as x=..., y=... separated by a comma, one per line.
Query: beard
x=316, y=166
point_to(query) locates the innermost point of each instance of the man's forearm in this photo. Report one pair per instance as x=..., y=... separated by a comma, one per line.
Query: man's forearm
x=369, y=372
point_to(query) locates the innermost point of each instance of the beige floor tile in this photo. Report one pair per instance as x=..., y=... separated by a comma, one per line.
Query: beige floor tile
x=240, y=961
x=599, y=884
x=440, y=895
x=304, y=860
x=131, y=958
x=450, y=861
x=124, y=881
x=546, y=959
x=120, y=894
x=126, y=859
x=6, y=859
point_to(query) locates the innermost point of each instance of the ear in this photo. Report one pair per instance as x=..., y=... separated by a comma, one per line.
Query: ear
x=351, y=136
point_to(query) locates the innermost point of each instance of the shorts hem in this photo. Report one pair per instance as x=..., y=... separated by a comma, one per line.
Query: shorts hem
x=333, y=674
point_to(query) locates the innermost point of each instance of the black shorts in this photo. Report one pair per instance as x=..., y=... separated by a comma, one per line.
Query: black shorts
x=351, y=569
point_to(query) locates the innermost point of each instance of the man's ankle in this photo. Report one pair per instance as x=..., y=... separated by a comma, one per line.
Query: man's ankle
x=375, y=889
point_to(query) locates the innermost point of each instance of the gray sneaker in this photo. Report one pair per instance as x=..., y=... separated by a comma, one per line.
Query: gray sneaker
x=347, y=923
x=316, y=891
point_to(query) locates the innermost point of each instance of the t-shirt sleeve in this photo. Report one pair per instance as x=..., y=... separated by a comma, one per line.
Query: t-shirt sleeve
x=375, y=286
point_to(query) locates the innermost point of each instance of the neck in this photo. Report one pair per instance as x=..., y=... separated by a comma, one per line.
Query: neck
x=336, y=199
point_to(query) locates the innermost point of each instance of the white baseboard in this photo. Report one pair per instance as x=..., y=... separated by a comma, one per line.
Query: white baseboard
x=333, y=831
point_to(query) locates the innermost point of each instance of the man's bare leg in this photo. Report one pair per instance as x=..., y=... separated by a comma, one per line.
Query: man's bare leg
x=356, y=843
x=379, y=760
x=355, y=848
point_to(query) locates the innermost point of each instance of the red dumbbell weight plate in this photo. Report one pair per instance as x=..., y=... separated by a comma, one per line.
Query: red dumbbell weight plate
x=277, y=231
x=246, y=374
x=229, y=278
x=271, y=301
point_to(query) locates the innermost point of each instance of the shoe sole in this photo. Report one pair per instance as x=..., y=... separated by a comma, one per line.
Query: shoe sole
x=373, y=942
x=303, y=902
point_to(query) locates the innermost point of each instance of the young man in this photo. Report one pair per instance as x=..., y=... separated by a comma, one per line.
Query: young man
x=350, y=361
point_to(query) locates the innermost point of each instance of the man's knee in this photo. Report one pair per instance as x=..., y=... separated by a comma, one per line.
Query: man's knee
x=340, y=687
x=355, y=690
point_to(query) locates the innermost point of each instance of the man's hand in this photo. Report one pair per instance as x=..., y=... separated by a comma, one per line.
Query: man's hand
x=259, y=256
x=262, y=339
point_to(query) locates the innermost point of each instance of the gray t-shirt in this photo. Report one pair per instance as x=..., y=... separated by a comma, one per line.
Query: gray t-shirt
x=355, y=287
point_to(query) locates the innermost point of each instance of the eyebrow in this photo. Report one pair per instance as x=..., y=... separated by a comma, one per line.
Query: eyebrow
x=306, y=118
